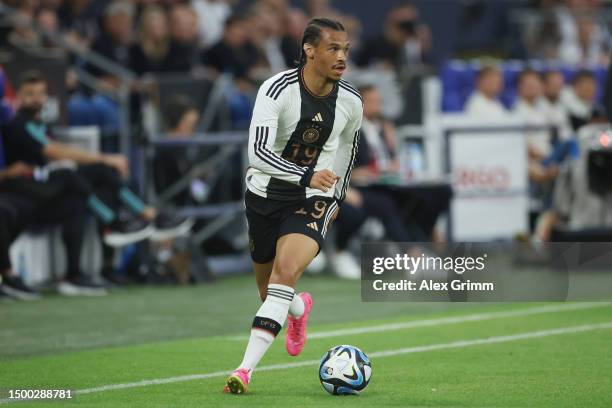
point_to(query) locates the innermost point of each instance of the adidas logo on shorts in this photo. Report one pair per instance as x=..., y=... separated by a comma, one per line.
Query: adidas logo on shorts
x=313, y=225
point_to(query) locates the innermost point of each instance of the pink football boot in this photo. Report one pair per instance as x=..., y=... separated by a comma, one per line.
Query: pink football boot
x=238, y=382
x=296, y=327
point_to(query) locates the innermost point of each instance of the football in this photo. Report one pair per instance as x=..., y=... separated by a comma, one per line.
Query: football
x=345, y=370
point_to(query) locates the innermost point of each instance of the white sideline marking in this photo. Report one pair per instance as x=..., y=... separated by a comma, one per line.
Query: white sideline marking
x=447, y=320
x=377, y=354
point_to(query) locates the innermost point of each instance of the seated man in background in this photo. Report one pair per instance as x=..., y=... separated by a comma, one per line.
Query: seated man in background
x=377, y=155
x=580, y=101
x=529, y=106
x=170, y=164
x=484, y=102
x=554, y=86
x=546, y=150
x=406, y=217
x=98, y=178
x=41, y=202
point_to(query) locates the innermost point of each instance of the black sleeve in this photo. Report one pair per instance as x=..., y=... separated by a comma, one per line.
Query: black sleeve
x=19, y=145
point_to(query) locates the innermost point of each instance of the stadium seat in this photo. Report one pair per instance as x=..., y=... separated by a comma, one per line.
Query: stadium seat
x=452, y=102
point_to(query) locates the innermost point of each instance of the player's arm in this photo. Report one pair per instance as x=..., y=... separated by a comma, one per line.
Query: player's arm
x=262, y=134
x=18, y=169
x=347, y=151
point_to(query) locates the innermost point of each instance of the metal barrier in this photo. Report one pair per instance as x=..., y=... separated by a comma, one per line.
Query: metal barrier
x=221, y=214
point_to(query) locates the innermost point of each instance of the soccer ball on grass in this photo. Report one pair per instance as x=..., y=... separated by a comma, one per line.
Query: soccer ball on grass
x=345, y=370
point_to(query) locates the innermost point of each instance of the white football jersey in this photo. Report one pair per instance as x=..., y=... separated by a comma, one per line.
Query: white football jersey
x=294, y=133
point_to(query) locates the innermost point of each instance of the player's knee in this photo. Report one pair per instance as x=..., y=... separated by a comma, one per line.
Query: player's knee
x=285, y=270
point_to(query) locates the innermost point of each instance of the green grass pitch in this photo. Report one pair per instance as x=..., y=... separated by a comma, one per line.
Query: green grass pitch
x=171, y=347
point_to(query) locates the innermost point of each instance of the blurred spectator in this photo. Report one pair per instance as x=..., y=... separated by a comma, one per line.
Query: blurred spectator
x=405, y=41
x=212, y=15
x=115, y=40
x=580, y=212
x=47, y=20
x=113, y=43
x=150, y=54
x=483, y=29
x=170, y=165
x=23, y=34
x=376, y=155
x=97, y=178
x=583, y=39
x=579, y=101
x=173, y=163
x=556, y=114
x=541, y=34
x=295, y=25
x=235, y=53
x=529, y=107
x=184, y=48
x=278, y=50
x=319, y=8
x=484, y=102
x=407, y=215
x=25, y=202
x=545, y=151
x=316, y=8
x=79, y=19
x=378, y=133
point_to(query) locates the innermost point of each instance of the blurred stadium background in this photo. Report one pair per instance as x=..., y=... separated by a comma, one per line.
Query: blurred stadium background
x=484, y=121
x=171, y=85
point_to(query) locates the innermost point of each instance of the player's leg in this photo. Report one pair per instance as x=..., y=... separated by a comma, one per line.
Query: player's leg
x=300, y=240
x=263, y=234
x=309, y=220
x=293, y=253
x=262, y=277
x=263, y=271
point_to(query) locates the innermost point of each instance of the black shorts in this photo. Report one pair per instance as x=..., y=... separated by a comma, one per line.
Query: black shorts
x=271, y=219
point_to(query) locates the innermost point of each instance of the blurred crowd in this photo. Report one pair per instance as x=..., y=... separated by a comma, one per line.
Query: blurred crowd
x=242, y=37
x=571, y=31
x=250, y=40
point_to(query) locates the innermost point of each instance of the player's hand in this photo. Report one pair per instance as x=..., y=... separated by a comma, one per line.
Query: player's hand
x=118, y=162
x=323, y=180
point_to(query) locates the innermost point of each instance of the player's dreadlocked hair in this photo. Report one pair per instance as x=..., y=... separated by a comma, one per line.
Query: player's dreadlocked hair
x=312, y=33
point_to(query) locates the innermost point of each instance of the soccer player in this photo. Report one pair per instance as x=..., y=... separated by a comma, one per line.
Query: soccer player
x=302, y=144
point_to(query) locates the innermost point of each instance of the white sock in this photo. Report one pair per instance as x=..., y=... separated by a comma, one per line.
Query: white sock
x=267, y=323
x=296, y=308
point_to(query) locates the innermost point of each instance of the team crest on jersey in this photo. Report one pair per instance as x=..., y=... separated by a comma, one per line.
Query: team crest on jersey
x=311, y=135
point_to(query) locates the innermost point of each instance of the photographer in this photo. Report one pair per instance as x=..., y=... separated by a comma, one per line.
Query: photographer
x=405, y=42
x=582, y=199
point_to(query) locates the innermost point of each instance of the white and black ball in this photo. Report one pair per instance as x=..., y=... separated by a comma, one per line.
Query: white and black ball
x=345, y=370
